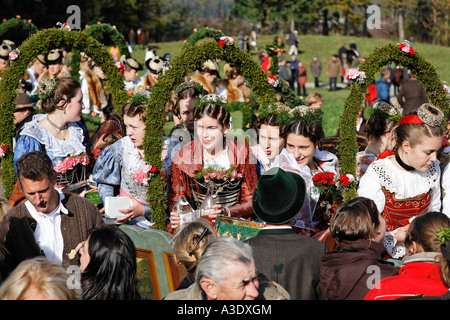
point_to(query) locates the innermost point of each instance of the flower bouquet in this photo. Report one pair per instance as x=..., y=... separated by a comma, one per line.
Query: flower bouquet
x=71, y=170
x=227, y=184
x=330, y=187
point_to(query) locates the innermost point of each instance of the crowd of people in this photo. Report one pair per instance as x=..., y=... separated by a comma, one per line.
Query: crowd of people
x=390, y=242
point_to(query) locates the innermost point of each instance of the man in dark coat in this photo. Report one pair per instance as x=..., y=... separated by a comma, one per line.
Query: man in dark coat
x=290, y=259
x=49, y=223
x=411, y=95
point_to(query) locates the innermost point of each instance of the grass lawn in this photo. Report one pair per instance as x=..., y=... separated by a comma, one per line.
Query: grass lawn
x=325, y=47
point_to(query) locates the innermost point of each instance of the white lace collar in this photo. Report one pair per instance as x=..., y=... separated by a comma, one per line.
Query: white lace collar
x=60, y=148
x=404, y=184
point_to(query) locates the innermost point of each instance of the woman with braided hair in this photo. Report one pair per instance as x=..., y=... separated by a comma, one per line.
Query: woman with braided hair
x=214, y=154
x=59, y=131
x=407, y=184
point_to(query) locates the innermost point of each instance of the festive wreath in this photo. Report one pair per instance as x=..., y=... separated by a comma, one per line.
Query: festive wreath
x=106, y=34
x=40, y=43
x=400, y=54
x=16, y=29
x=283, y=88
x=200, y=34
x=188, y=60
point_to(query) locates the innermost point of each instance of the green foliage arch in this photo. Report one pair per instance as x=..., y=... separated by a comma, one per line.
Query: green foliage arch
x=187, y=61
x=104, y=33
x=377, y=59
x=16, y=30
x=40, y=43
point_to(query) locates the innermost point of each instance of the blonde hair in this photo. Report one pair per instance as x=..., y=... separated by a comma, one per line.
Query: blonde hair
x=313, y=97
x=50, y=279
x=415, y=132
x=185, y=246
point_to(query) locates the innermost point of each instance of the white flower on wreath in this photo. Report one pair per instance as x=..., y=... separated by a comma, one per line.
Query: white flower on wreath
x=228, y=40
x=355, y=74
x=273, y=81
x=13, y=55
x=63, y=26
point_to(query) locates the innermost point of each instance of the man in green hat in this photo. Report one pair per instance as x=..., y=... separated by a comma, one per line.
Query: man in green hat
x=290, y=259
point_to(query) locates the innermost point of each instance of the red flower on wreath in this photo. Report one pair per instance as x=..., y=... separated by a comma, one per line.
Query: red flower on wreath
x=3, y=150
x=406, y=48
x=120, y=66
x=222, y=43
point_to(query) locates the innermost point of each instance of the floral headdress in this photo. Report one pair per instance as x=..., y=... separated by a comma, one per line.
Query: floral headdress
x=286, y=114
x=211, y=98
x=46, y=88
x=387, y=110
x=425, y=115
x=187, y=85
x=141, y=97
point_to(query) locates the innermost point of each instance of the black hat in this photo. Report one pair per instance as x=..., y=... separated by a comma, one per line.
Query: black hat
x=5, y=48
x=279, y=196
x=54, y=56
x=155, y=65
x=131, y=62
x=23, y=102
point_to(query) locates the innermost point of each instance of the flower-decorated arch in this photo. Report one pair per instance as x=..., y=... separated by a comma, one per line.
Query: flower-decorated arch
x=40, y=43
x=401, y=54
x=200, y=34
x=190, y=59
x=100, y=30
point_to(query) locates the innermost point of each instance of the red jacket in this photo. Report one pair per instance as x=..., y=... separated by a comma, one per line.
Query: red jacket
x=414, y=278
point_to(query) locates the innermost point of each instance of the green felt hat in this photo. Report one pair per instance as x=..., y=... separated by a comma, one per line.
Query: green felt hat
x=279, y=196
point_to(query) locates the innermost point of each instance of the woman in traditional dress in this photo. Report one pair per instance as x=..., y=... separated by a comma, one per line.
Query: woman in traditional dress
x=407, y=184
x=380, y=123
x=213, y=152
x=59, y=131
x=230, y=85
x=302, y=155
x=271, y=137
x=120, y=167
x=207, y=75
x=183, y=107
x=55, y=65
x=155, y=67
x=91, y=76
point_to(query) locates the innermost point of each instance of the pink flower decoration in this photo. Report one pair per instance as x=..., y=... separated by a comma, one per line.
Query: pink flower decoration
x=13, y=55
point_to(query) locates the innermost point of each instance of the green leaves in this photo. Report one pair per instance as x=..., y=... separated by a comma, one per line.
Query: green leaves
x=379, y=58
x=39, y=43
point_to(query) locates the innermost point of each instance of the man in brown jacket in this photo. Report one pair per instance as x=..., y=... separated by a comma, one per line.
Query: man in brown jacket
x=411, y=95
x=49, y=223
x=334, y=70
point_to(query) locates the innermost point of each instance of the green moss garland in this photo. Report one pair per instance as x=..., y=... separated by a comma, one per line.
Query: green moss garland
x=379, y=58
x=8, y=28
x=187, y=61
x=40, y=43
x=99, y=30
x=283, y=88
x=200, y=34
